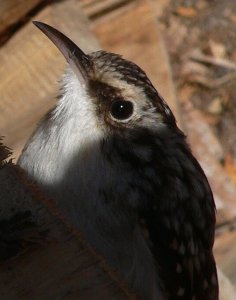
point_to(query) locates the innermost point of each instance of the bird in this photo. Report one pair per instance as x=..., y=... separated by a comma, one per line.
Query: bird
x=112, y=156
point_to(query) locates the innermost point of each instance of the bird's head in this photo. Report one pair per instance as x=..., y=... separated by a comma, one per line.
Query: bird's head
x=118, y=91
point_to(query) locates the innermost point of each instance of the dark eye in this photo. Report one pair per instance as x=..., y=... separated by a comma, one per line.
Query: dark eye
x=121, y=109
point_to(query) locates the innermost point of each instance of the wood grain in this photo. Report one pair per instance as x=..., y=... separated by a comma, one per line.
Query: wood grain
x=13, y=11
x=201, y=137
x=96, y=8
x=225, y=246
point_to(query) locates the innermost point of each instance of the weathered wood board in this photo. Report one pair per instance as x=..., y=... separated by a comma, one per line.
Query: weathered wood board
x=96, y=8
x=225, y=253
x=13, y=11
x=201, y=138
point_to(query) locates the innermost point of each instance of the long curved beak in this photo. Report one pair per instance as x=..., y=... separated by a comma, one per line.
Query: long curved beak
x=76, y=58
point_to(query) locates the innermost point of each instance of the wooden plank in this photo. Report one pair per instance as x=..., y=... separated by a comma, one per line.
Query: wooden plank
x=13, y=11
x=30, y=67
x=201, y=138
x=227, y=290
x=139, y=41
x=96, y=8
x=225, y=249
x=159, y=6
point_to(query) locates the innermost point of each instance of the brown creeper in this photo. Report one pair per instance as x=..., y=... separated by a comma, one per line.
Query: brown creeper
x=112, y=156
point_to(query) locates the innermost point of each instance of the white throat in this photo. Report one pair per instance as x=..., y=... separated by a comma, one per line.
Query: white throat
x=65, y=139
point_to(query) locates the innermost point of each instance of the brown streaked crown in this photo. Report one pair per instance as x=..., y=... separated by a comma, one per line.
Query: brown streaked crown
x=116, y=77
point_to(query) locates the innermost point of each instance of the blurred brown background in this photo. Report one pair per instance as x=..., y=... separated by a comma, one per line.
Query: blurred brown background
x=187, y=48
